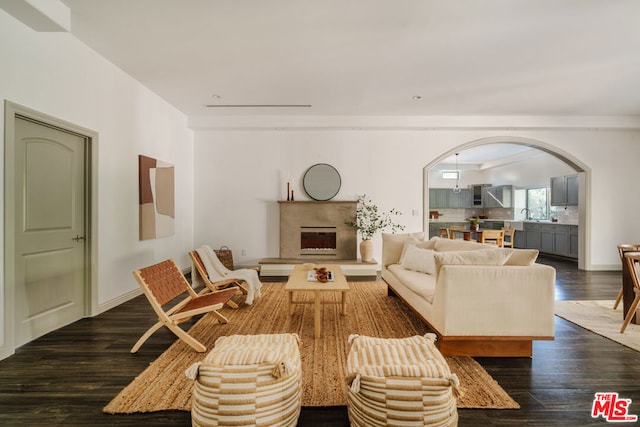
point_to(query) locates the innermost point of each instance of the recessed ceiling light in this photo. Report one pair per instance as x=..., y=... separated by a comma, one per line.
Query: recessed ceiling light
x=416, y=97
x=215, y=96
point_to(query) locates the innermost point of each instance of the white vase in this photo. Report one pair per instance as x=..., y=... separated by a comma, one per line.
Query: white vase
x=366, y=250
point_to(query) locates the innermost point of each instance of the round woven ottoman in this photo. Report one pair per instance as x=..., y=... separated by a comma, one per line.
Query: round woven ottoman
x=248, y=380
x=399, y=382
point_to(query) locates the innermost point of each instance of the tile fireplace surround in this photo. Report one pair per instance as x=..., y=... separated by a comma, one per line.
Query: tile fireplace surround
x=317, y=230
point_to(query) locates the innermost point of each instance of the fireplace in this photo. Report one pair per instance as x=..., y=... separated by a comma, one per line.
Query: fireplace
x=317, y=230
x=318, y=241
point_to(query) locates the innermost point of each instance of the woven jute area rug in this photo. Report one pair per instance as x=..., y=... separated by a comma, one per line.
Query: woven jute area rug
x=164, y=386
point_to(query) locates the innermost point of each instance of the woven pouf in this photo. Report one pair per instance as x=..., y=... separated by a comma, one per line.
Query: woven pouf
x=399, y=382
x=248, y=380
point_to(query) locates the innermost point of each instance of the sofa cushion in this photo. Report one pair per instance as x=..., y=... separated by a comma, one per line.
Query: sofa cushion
x=522, y=257
x=392, y=245
x=474, y=257
x=418, y=259
x=444, y=245
x=421, y=284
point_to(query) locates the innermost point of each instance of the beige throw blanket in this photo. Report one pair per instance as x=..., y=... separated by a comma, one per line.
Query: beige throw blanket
x=218, y=272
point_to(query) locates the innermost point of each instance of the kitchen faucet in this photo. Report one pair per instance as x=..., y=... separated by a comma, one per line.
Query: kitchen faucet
x=527, y=213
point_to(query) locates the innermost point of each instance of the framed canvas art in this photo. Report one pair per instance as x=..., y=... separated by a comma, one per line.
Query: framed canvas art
x=157, y=198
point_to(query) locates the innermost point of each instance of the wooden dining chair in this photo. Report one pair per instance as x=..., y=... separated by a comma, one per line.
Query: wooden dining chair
x=212, y=286
x=622, y=249
x=163, y=283
x=493, y=237
x=443, y=232
x=452, y=233
x=510, y=233
x=633, y=263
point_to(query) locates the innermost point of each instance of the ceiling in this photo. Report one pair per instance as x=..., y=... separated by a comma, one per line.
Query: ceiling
x=372, y=57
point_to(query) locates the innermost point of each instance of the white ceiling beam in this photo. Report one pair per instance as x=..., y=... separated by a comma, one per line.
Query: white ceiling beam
x=41, y=15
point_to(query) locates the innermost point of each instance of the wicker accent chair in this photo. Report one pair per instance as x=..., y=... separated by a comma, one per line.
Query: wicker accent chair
x=162, y=283
x=248, y=380
x=399, y=382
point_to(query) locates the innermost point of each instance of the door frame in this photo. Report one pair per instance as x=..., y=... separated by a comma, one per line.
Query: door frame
x=13, y=110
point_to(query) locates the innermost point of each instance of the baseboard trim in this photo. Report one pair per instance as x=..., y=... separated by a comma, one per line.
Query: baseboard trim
x=119, y=300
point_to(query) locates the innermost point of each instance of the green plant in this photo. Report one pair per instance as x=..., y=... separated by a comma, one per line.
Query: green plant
x=369, y=220
x=473, y=220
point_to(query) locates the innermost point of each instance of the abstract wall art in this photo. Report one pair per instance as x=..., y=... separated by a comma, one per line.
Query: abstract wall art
x=157, y=198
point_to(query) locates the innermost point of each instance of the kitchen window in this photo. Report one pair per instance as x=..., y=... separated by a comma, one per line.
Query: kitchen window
x=538, y=203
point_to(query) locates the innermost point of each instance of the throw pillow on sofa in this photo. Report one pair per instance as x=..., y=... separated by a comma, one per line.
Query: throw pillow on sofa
x=392, y=245
x=477, y=257
x=418, y=259
x=422, y=244
x=523, y=257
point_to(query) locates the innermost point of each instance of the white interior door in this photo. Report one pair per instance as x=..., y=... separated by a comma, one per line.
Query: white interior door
x=49, y=230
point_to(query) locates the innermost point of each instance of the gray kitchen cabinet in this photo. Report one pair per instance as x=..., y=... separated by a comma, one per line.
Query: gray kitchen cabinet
x=573, y=241
x=519, y=239
x=564, y=190
x=531, y=236
x=546, y=241
x=438, y=198
x=446, y=198
x=459, y=200
x=555, y=239
x=572, y=190
x=434, y=228
x=499, y=196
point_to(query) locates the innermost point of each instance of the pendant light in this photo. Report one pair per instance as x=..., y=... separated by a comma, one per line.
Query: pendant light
x=457, y=189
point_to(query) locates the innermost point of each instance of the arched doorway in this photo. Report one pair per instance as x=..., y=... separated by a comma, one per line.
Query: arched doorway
x=583, y=171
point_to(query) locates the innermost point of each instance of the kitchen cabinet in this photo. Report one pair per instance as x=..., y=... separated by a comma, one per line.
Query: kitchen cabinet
x=564, y=190
x=554, y=239
x=531, y=234
x=573, y=241
x=446, y=198
x=492, y=225
x=519, y=239
x=459, y=200
x=500, y=196
x=438, y=198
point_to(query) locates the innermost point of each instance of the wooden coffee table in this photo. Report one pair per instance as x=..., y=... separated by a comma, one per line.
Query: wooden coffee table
x=298, y=283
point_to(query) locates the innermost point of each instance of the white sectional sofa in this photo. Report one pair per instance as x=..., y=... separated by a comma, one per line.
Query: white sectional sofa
x=480, y=300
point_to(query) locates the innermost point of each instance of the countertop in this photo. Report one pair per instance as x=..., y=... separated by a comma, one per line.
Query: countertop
x=530, y=221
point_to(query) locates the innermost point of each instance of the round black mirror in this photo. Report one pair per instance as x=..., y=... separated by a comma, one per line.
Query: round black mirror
x=321, y=182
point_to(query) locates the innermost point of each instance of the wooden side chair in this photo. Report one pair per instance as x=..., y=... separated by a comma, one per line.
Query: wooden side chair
x=215, y=286
x=622, y=249
x=493, y=237
x=443, y=233
x=510, y=233
x=633, y=263
x=163, y=283
x=452, y=233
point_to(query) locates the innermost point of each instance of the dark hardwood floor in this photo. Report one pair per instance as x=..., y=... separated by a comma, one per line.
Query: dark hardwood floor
x=67, y=376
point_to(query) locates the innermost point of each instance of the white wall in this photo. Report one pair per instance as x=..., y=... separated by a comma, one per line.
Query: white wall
x=388, y=166
x=55, y=74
